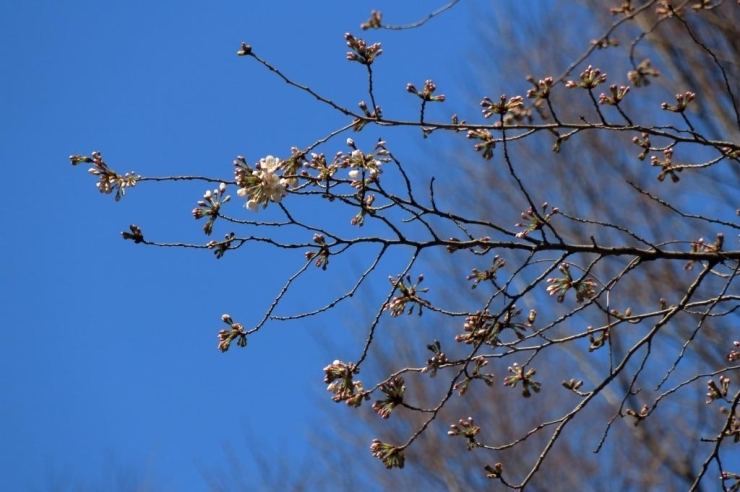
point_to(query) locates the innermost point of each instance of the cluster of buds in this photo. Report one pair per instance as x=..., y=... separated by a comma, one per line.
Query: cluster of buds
x=604, y=42
x=108, y=181
x=700, y=246
x=638, y=416
x=210, y=205
x=367, y=203
x=665, y=9
x=427, y=93
x=540, y=92
x=585, y=287
x=714, y=247
x=478, y=363
x=596, y=342
x=393, y=390
x=339, y=377
x=482, y=327
x=235, y=331
x=643, y=141
x=617, y=94
x=715, y=392
x=466, y=429
x=361, y=52
x=390, y=455
x=494, y=471
x=666, y=166
x=526, y=377
x=321, y=256
x=626, y=8
x=487, y=144
x=243, y=173
x=323, y=169
x=409, y=295
x=682, y=102
x=734, y=355
x=481, y=276
x=374, y=22
x=437, y=360
x=541, y=89
x=590, y=78
x=135, y=235
x=623, y=315
x=221, y=247
x=359, y=123
x=364, y=168
x=501, y=107
x=639, y=76
x=573, y=385
x=244, y=50
x=535, y=221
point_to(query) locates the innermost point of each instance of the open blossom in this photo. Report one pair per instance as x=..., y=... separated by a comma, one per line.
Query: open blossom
x=272, y=188
x=268, y=186
x=354, y=174
x=269, y=164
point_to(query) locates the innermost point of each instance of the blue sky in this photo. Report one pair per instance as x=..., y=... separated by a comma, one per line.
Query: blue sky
x=108, y=359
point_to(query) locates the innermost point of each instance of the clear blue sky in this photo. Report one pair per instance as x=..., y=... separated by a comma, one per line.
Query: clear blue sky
x=108, y=356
